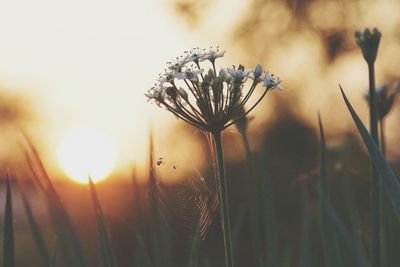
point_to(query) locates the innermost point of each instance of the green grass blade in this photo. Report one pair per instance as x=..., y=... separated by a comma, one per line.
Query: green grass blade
x=107, y=254
x=338, y=229
x=287, y=256
x=54, y=254
x=8, y=233
x=194, y=251
x=69, y=242
x=238, y=226
x=252, y=189
x=305, y=252
x=140, y=254
x=348, y=245
x=269, y=219
x=329, y=241
x=34, y=226
x=206, y=262
x=68, y=239
x=354, y=216
x=160, y=231
x=389, y=179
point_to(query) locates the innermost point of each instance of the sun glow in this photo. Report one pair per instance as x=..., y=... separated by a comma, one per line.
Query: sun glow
x=86, y=151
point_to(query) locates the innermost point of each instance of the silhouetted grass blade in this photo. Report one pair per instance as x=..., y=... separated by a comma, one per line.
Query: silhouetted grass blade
x=107, y=255
x=390, y=180
x=35, y=229
x=338, y=231
x=287, y=258
x=68, y=239
x=269, y=219
x=252, y=188
x=157, y=214
x=329, y=242
x=141, y=256
x=54, y=254
x=8, y=233
x=237, y=227
x=354, y=216
x=305, y=252
x=194, y=251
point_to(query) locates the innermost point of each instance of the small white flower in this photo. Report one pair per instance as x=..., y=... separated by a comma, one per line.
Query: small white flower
x=195, y=55
x=167, y=77
x=177, y=64
x=212, y=55
x=191, y=75
x=157, y=93
x=238, y=74
x=270, y=82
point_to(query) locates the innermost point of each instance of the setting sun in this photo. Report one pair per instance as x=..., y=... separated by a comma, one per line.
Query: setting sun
x=86, y=151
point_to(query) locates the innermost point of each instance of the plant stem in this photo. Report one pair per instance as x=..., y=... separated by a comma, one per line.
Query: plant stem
x=375, y=185
x=382, y=136
x=253, y=188
x=223, y=198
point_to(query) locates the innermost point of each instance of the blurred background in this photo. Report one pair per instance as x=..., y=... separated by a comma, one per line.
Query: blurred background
x=70, y=65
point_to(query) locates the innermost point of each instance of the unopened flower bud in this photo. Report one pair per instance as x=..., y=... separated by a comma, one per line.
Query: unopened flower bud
x=222, y=74
x=183, y=93
x=368, y=42
x=257, y=71
x=171, y=91
x=210, y=73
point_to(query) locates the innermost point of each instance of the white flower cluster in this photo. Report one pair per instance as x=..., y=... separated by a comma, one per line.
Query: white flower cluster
x=206, y=99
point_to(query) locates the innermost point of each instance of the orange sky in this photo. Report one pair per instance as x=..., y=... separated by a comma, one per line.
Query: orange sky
x=88, y=63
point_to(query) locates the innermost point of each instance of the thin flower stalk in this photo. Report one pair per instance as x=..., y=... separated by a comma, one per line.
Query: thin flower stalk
x=385, y=96
x=368, y=41
x=252, y=191
x=210, y=99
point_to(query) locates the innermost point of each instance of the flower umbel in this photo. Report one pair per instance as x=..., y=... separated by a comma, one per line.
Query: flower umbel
x=194, y=91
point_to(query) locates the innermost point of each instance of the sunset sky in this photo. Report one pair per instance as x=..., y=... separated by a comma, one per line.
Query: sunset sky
x=88, y=63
